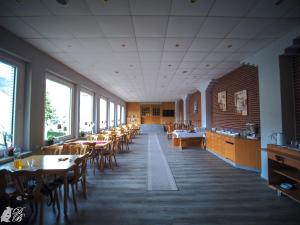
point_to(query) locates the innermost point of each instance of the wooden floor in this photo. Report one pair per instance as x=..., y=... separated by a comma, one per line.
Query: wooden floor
x=210, y=192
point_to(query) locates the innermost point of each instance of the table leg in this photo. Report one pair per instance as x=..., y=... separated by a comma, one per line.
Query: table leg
x=65, y=193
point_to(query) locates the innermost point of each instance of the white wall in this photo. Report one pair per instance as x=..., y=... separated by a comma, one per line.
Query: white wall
x=202, y=90
x=37, y=63
x=267, y=61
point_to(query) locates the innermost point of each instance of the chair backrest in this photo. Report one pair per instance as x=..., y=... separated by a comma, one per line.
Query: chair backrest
x=29, y=182
x=3, y=182
x=72, y=149
x=80, y=167
x=51, y=150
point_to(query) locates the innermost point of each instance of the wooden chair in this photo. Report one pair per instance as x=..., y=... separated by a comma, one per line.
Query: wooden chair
x=93, y=156
x=109, y=153
x=51, y=150
x=72, y=149
x=170, y=130
x=30, y=189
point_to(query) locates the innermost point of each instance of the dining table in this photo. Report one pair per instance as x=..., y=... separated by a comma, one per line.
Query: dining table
x=50, y=165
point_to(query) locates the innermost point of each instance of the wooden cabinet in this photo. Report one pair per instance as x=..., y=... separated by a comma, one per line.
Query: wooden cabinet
x=241, y=152
x=284, y=167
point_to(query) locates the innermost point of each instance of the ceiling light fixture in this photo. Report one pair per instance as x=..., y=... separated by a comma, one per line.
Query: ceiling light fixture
x=63, y=2
x=207, y=65
x=229, y=46
x=177, y=45
x=123, y=45
x=130, y=65
x=116, y=72
x=169, y=65
x=185, y=71
x=193, y=1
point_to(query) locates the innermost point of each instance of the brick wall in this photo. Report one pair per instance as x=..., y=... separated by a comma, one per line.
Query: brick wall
x=195, y=116
x=243, y=78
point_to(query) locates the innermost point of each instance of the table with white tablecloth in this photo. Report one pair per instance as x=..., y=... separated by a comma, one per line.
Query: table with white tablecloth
x=184, y=138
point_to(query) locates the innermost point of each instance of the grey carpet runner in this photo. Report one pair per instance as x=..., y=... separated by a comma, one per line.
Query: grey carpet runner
x=160, y=177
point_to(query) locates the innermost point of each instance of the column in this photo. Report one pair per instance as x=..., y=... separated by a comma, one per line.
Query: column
x=186, y=108
x=176, y=111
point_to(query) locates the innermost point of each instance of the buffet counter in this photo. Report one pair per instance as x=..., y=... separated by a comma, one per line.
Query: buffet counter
x=240, y=152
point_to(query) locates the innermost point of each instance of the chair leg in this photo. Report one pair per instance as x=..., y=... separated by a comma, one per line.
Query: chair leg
x=115, y=160
x=41, y=211
x=57, y=201
x=74, y=197
x=83, y=184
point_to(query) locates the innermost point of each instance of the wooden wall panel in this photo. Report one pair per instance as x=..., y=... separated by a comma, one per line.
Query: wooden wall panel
x=297, y=94
x=195, y=117
x=180, y=110
x=133, y=111
x=243, y=78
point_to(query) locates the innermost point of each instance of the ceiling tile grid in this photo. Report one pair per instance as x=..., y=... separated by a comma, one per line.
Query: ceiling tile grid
x=154, y=50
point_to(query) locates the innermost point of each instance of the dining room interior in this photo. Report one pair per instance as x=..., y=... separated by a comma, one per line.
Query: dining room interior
x=170, y=112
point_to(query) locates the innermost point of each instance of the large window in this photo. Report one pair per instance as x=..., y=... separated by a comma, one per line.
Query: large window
x=58, y=108
x=123, y=115
x=103, y=113
x=86, y=112
x=111, y=114
x=7, y=99
x=118, y=115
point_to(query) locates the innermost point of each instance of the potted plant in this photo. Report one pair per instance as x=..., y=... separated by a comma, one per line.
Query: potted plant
x=50, y=140
x=82, y=133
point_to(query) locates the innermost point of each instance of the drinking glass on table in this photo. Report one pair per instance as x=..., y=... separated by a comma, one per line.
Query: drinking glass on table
x=18, y=161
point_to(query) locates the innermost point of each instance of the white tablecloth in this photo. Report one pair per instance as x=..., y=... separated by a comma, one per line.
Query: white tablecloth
x=186, y=134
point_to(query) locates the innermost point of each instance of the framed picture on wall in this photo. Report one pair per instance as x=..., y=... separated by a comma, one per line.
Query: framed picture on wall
x=240, y=102
x=222, y=100
x=195, y=106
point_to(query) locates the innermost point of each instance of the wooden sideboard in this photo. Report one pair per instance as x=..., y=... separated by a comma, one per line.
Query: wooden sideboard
x=284, y=167
x=244, y=153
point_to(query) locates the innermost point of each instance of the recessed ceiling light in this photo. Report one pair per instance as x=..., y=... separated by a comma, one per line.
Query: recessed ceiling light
x=177, y=45
x=229, y=46
x=69, y=46
x=169, y=65
x=123, y=45
x=116, y=72
x=185, y=71
x=130, y=65
x=207, y=65
x=165, y=76
x=193, y=1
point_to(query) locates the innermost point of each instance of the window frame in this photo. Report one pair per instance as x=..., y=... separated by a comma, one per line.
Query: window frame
x=81, y=89
x=60, y=80
x=114, y=119
x=118, y=117
x=18, y=98
x=123, y=115
x=106, y=124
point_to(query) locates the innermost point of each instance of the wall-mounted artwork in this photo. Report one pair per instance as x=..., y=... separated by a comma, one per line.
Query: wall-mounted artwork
x=195, y=106
x=240, y=102
x=222, y=100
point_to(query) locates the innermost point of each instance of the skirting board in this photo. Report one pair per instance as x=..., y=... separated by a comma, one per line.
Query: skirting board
x=234, y=164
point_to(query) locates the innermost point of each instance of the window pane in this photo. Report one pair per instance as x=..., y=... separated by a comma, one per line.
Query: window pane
x=57, y=109
x=86, y=112
x=123, y=115
x=118, y=114
x=7, y=89
x=111, y=114
x=103, y=115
